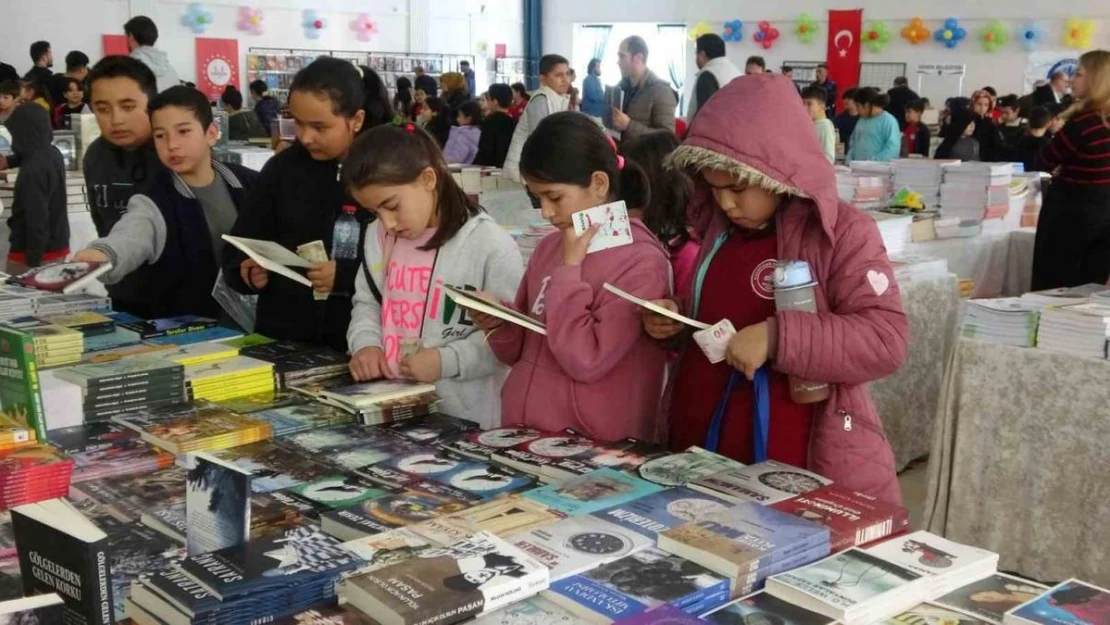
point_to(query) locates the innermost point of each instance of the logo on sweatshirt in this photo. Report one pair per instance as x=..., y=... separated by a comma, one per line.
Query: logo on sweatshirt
x=538, y=306
x=763, y=279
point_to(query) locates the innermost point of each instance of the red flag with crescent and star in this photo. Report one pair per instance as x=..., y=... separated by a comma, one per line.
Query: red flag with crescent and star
x=843, y=53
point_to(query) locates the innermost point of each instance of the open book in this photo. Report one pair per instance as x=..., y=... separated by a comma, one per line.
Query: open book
x=659, y=310
x=272, y=257
x=469, y=301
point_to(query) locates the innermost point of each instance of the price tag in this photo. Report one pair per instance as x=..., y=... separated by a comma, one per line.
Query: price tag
x=713, y=340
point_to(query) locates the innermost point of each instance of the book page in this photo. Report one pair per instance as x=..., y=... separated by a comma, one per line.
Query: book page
x=659, y=310
x=493, y=308
x=246, y=246
x=273, y=251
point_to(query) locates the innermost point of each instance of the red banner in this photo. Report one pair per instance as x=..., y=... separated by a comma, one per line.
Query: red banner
x=217, y=66
x=114, y=44
x=843, y=51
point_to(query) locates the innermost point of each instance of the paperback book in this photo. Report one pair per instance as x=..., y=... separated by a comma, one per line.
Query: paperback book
x=273, y=467
x=20, y=389
x=61, y=277
x=169, y=326
x=945, y=565
x=661, y=511
x=991, y=597
x=929, y=613
x=44, y=609
x=596, y=490
x=761, y=607
x=336, y=492
x=766, y=483
x=432, y=429
x=532, y=611
x=482, y=444
x=690, y=465
x=568, y=454
x=396, y=545
x=502, y=517
x=853, y=518
x=367, y=394
x=481, y=479
x=217, y=503
x=578, y=544
x=1070, y=603
x=394, y=510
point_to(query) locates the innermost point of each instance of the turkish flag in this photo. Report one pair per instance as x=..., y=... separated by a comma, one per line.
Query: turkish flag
x=843, y=51
x=217, y=66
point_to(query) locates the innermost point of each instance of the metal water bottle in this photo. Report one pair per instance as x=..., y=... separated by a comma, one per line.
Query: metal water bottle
x=795, y=289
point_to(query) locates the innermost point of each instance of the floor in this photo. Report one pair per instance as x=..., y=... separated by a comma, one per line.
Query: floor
x=914, y=480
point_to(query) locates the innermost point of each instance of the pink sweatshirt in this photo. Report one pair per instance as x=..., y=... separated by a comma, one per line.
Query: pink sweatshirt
x=596, y=370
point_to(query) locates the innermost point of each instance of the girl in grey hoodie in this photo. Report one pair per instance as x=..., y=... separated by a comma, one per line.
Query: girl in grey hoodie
x=427, y=234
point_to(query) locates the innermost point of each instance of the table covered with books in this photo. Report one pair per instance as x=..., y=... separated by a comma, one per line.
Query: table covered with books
x=1000, y=262
x=1020, y=462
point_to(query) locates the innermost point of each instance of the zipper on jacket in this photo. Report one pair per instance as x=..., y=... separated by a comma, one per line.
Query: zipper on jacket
x=847, y=420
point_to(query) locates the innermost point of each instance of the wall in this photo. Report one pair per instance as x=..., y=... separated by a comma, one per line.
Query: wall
x=1003, y=69
x=446, y=26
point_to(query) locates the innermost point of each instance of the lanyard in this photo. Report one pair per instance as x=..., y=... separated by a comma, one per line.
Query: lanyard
x=761, y=413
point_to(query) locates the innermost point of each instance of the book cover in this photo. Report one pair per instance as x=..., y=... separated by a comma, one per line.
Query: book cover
x=1070, y=603
x=623, y=455
x=198, y=354
x=87, y=323
x=20, y=389
x=250, y=340
x=501, y=517
x=658, y=512
x=532, y=611
x=930, y=614
x=60, y=551
x=370, y=393
x=990, y=598
x=644, y=580
x=484, y=443
x=331, y=440
x=217, y=503
x=302, y=553
x=478, y=478
x=273, y=467
x=764, y=608
x=61, y=277
x=38, y=610
x=210, y=427
x=169, y=326
x=690, y=465
x=577, y=544
x=931, y=556
x=395, y=510
x=596, y=490
x=92, y=437
x=537, y=454
x=431, y=429
x=127, y=498
x=434, y=589
x=847, y=580
x=337, y=491
x=767, y=482
x=853, y=518
x=369, y=453
x=496, y=309
x=396, y=545
x=663, y=615
x=271, y=400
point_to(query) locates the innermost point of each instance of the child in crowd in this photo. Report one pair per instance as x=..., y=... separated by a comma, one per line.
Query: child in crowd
x=845, y=121
x=766, y=193
x=266, y=106
x=814, y=98
x=915, y=136
x=419, y=103
x=74, y=104
x=9, y=97
x=483, y=103
x=1057, y=121
x=877, y=136
x=497, y=128
x=433, y=118
x=550, y=98
x=297, y=200
x=428, y=233
x=123, y=161
x=1036, y=137
x=664, y=211
x=986, y=129
x=959, y=139
x=242, y=124
x=35, y=92
x=1010, y=122
x=39, y=223
x=520, y=100
x=594, y=370
x=170, y=237
x=462, y=144
x=403, y=100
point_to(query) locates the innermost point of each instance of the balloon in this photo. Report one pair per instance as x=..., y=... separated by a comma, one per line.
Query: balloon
x=764, y=25
x=1078, y=32
x=915, y=32
x=734, y=31
x=773, y=33
x=766, y=35
x=952, y=33
x=699, y=29
x=250, y=20
x=877, y=35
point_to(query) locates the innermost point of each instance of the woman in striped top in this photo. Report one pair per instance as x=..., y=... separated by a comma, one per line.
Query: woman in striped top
x=1073, y=233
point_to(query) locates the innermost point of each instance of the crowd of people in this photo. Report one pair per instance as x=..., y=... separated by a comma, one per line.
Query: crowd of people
x=749, y=183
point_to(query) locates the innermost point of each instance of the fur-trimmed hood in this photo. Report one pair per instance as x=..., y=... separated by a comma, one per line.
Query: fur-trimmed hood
x=782, y=156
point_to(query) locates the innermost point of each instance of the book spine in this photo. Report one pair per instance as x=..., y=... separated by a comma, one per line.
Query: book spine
x=36, y=416
x=99, y=585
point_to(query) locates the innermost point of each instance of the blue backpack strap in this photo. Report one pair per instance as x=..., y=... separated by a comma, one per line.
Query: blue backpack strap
x=761, y=413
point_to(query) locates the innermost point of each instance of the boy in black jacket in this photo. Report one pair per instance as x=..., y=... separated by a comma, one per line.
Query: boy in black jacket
x=1036, y=137
x=497, y=129
x=39, y=223
x=173, y=231
x=915, y=135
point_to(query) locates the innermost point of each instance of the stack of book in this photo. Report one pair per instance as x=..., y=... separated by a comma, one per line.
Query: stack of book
x=89, y=324
x=379, y=402
x=63, y=277
x=55, y=345
x=128, y=385
x=562, y=455
x=1065, y=296
x=101, y=450
x=302, y=417
x=529, y=239
x=766, y=483
x=1079, y=329
x=33, y=473
x=207, y=429
x=921, y=175
x=16, y=301
x=1007, y=321
x=169, y=326
x=228, y=379
x=863, y=192
x=578, y=544
x=478, y=478
x=748, y=543
x=958, y=227
x=59, y=304
x=894, y=229
x=854, y=519
x=197, y=353
x=943, y=564
x=298, y=363
x=976, y=190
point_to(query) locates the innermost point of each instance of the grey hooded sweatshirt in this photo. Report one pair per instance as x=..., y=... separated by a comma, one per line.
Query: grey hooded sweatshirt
x=158, y=63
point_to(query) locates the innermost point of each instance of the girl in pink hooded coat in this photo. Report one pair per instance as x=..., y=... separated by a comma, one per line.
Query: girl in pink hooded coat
x=766, y=192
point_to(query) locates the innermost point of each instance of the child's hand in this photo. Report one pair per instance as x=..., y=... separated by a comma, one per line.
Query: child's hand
x=575, y=247
x=484, y=321
x=424, y=366
x=323, y=276
x=620, y=119
x=747, y=349
x=254, y=275
x=90, y=255
x=659, y=327
x=368, y=364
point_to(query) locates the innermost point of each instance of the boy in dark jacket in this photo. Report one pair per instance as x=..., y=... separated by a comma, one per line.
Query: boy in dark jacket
x=173, y=232
x=243, y=124
x=266, y=107
x=39, y=223
x=497, y=129
x=915, y=135
x=1036, y=137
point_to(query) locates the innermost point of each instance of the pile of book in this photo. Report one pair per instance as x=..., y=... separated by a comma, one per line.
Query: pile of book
x=16, y=301
x=60, y=304
x=1079, y=329
x=913, y=267
x=556, y=456
x=103, y=450
x=169, y=326
x=127, y=385
x=227, y=379
x=1007, y=321
x=529, y=239
x=89, y=324
x=373, y=403
x=1066, y=296
x=921, y=175
x=894, y=229
x=976, y=190
x=862, y=191
x=958, y=228
x=288, y=417
x=54, y=345
x=33, y=473
x=197, y=429
x=63, y=277
x=298, y=363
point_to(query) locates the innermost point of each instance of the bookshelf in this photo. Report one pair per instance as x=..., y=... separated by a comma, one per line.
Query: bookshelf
x=393, y=65
x=277, y=66
x=509, y=70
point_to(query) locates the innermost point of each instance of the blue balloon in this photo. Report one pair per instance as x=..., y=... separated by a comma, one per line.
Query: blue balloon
x=952, y=43
x=951, y=23
x=959, y=33
x=1030, y=35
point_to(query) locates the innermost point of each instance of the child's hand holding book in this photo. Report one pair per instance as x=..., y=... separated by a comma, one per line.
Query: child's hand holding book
x=368, y=364
x=658, y=326
x=425, y=366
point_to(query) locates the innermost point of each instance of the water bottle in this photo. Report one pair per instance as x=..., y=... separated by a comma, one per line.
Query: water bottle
x=344, y=242
x=795, y=289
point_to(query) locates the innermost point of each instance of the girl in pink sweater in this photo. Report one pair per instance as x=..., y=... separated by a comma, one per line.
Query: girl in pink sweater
x=595, y=370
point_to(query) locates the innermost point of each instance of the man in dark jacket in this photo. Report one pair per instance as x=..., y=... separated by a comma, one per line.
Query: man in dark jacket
x=497, y=129
x=77, y=67
x=900, y=96
x=39, y=223
x=1054, y=92
x=649, y=102
x=425, y=83
x=43, y=59
x=266, y=107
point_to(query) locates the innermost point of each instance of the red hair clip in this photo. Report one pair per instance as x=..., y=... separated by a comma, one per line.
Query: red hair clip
x=410, y=127
x=613, y=144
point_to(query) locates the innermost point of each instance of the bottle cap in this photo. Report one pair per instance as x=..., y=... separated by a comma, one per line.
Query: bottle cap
x=350, y=210
x=791, y=274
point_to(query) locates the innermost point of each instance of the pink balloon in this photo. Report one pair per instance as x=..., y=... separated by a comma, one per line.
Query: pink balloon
x=764, y=25
x=774, y=32
x=767, y=44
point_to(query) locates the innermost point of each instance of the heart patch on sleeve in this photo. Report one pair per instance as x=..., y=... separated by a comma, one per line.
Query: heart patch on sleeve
x=879, y=282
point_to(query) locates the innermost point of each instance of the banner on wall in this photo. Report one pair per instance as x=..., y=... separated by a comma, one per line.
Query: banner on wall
x=842, y=56
x=1043, y=64
x=217, y=66
x=114, y=44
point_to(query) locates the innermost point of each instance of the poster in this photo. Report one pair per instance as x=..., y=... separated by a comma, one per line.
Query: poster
x=1043, y=64
x=114, y=44
x=842, y=56
x=217, y=66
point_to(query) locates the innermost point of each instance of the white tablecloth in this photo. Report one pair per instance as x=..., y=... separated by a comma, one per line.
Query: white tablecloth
x=1000, y=263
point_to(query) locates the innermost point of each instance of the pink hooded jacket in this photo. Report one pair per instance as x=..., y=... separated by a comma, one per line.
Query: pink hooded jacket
x=756, y=128
x=595, y=371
